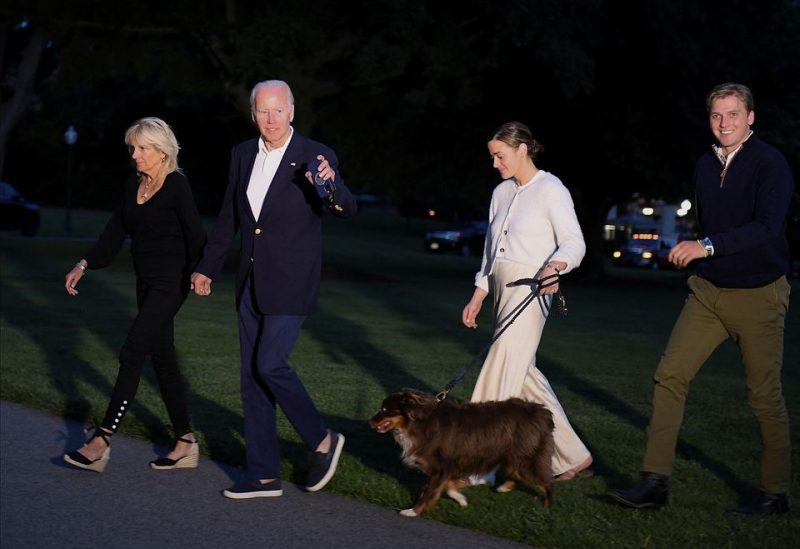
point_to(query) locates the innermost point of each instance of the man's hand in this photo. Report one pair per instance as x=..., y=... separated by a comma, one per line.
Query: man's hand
x=685, y=252
x=325, y=170
x=201, y=284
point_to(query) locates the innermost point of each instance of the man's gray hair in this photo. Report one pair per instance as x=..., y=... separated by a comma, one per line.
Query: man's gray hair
x=270, y=84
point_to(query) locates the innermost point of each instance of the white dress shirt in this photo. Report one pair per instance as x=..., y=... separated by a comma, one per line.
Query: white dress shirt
x=264, y=169
x=531, y=225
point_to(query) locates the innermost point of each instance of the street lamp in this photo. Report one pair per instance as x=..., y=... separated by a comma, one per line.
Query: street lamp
x=70, y=138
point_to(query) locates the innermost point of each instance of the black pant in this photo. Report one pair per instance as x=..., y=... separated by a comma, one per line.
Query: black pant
x=159, y=299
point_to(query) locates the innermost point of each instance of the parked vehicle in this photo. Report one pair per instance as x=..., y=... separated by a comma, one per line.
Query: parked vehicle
x=643, y=250
x=16, y=212
x=464, y=239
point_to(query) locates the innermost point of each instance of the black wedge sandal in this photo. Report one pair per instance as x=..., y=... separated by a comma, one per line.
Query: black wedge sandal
x=79, y=460
x=189, y=461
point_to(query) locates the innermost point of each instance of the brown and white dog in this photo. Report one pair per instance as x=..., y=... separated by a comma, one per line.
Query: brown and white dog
x=449, y=442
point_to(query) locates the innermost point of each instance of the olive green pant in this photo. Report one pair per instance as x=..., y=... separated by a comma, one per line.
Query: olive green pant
x=754, y=319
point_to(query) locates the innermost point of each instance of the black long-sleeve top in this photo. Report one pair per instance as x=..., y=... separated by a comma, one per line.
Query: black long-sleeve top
x=167, y=235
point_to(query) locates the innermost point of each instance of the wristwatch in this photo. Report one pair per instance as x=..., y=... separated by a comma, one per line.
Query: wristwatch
x=708, y=245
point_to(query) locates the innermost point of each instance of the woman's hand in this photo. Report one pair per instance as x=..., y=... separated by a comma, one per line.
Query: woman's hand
x=201, y=284
x=471, y=310
x=72, y=278
x=552, y=268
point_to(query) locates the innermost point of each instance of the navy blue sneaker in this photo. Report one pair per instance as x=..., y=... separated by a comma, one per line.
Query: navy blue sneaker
x=254, y=489
x=323, y=464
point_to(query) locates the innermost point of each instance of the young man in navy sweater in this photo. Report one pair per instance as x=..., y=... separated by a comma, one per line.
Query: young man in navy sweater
x=743, y=190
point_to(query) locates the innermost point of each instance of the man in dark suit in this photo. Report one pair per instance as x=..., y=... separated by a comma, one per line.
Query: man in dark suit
x=273, y=202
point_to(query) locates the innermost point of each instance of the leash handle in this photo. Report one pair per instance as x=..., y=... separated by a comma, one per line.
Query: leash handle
x=540, y=284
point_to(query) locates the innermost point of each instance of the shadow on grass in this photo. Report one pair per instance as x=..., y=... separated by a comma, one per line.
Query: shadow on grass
x=59, y=336
x=428, y=317
x=614, y=405
x=391, y=374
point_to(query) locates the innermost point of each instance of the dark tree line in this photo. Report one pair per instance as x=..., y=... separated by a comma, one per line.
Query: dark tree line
x=406, y=91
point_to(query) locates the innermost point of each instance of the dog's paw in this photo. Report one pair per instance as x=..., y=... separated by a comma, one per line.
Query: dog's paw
x=460, y=498
x=408, y=512
x=506, y=487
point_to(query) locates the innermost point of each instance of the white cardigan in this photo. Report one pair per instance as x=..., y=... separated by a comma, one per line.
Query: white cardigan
x=531, y=225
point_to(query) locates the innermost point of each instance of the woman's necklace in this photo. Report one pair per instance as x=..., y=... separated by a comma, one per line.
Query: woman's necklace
x=153, y=183
x=147, y=185
x=150, y=184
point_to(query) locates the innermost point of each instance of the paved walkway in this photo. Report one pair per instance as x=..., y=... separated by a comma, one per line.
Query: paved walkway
x=45, y=503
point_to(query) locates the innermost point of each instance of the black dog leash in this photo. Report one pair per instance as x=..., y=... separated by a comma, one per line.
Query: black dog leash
x=543, y=283
x=536, y=285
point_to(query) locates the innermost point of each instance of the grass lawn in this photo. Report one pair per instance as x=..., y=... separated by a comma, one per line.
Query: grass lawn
x=389, y=317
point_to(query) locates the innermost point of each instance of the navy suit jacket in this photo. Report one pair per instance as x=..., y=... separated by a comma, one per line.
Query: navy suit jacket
x=283, y=247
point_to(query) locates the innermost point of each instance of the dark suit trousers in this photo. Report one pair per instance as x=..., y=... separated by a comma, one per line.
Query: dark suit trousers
x=267, y=380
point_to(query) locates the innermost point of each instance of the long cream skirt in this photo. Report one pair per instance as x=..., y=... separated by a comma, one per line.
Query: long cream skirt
x=510, y=366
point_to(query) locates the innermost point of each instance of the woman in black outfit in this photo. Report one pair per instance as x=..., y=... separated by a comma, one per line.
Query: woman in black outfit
x=167, y=236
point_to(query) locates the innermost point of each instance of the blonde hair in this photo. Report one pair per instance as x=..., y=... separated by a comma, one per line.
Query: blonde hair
x=731, y=88
x=156, y=133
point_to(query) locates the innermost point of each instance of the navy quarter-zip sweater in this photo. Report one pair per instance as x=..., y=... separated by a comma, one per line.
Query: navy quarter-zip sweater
x=744, y=215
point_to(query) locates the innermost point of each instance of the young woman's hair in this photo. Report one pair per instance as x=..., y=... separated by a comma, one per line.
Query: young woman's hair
x=515, y=134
